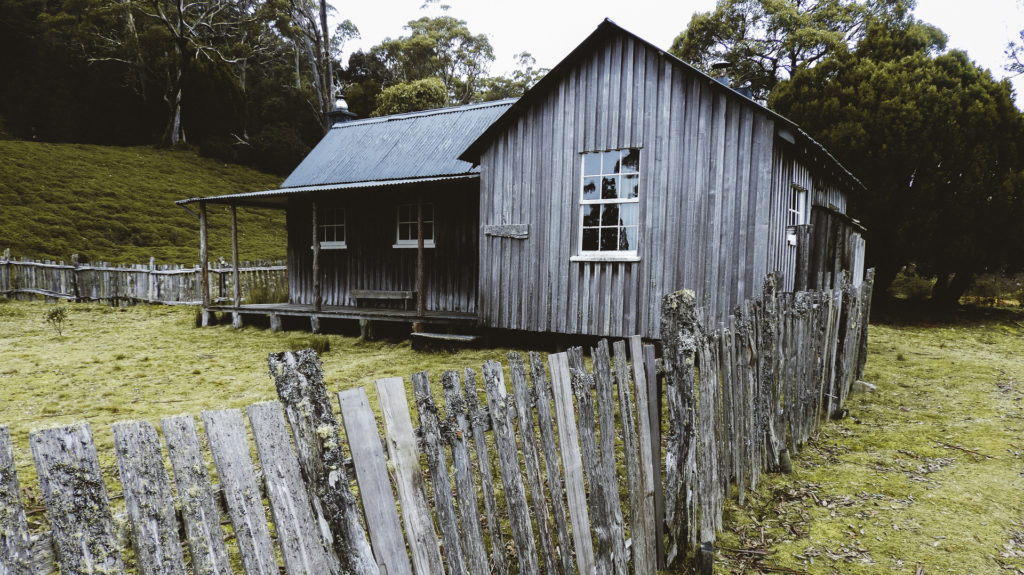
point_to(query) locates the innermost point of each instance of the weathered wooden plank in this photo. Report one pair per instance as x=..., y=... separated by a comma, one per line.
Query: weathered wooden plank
x=15, y=547
x=299, y=379
x=528, y=434
x=679, y=336
x=77, y=505
x=404, y=456
x=230, y=448
x=478, y=421
x=469, y=516
x=542, y=387
x=199, y=510
x=304, y=550
x=709, y=486
x=502, y=416
x=605, y=405
x=374, y=486
x=513, y=231
x=433, y=448
x=147, y=497
x=634, y=469
x=654, y=394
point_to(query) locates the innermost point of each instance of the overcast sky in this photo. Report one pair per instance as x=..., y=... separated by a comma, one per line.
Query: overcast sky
x=550, y=29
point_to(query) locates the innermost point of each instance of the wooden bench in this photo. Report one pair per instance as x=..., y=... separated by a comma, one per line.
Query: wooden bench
x=374, y=294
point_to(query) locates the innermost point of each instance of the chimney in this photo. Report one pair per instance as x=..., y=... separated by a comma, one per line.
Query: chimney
x=340, y=112
x=720, y=72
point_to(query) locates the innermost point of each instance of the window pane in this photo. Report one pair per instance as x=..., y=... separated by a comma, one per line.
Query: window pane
x=628, y=238
x=428, y=230
x=407, y=232
x=403, y=213
x=590, y=188
x=590, y=239
x=609, y=185
x=611, y=162
x=610, y=214
x=428, y=212
x=629, y=214
x=609, y=239
x=630, y=160
x=629, y=186
x=591, y=164
x=590, y=215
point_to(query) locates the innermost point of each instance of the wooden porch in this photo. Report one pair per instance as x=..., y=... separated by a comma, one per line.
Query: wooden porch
x=277, y=311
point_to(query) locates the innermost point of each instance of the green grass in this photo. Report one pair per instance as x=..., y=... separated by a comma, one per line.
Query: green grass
x=149, y=362
x=117, y=204
x=928, y=470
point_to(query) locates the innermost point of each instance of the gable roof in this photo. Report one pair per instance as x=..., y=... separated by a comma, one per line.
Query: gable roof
x=608, y=29
x=386, y=151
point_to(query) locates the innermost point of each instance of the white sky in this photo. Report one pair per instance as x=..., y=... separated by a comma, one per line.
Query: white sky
x=550, y=29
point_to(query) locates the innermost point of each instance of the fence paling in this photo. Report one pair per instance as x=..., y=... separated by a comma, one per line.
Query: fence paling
x=300, y=454
x=741, y=392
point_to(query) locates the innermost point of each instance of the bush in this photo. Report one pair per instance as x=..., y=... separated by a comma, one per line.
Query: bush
x=272, y=294
x=321, y=344
x=57, y=317
x=910, y=286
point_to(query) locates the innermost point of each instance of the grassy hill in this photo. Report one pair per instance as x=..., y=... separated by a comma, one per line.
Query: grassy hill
x=117, y=204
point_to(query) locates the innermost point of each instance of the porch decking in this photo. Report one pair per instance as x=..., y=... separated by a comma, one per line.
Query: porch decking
x=348, y=312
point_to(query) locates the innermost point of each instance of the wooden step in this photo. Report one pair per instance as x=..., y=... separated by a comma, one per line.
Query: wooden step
x=424, y=340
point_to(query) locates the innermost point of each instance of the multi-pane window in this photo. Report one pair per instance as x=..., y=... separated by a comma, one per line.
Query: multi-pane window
x=799, y=212
x=407, y=224
x=332, y=229
x=610, y=201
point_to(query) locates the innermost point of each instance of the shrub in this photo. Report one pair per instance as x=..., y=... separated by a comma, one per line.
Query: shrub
x=321, y=344
x=272, y=294
x=57, y=317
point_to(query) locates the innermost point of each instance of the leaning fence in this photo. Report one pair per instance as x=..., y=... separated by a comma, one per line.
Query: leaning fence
x=743, y=394
x=559, y=471
x=131, y=284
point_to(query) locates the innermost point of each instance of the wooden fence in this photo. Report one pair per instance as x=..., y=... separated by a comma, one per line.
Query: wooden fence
x=743, y=395
x=130, y=284
x=519, y=478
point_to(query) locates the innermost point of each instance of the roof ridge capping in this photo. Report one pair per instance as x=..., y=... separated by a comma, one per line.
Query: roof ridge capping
x=423, y=113
x=608, y=27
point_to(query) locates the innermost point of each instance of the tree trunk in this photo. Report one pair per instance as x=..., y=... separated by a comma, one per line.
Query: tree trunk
x=955, y=290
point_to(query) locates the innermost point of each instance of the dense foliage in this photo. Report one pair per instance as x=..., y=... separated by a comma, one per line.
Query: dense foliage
x=937, y=141
x=247, y=81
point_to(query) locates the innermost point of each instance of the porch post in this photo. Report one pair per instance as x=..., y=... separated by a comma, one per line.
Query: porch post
x=420, y=304
x=236, y=288
x=316, y=258
x=204, y=265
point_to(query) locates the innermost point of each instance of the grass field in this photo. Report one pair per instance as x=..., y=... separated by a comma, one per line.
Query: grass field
x=928, y=471
x=116, y=204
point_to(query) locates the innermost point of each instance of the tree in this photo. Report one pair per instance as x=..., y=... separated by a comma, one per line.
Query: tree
x=516, y=84
x=1015, y=56
x=425, y=94
x=936, y=140
x=440, y=47
x=766, y=41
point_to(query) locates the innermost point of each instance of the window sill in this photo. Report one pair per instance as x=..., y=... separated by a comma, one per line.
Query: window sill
x=413, y=245
x=627, y=257
x=333, y=246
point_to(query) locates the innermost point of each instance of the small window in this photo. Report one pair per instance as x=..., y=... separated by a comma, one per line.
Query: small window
x=407, y=236
x=332, y=229
x=610, y=203
x=799, y=209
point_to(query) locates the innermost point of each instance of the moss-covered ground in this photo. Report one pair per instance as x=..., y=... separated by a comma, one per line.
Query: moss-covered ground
x=925, y=475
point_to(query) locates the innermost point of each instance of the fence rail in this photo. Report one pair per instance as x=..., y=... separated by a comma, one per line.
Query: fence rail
x=130, y=284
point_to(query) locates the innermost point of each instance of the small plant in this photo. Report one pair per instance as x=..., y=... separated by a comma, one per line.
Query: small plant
x=57, y=317
x=321, y=344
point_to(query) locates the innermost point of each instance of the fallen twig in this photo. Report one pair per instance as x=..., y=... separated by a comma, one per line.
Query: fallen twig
x=780, y=569
x=965, y=450
x=747, y=551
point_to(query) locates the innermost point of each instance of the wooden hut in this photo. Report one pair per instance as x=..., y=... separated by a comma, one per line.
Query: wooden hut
x=624, y=174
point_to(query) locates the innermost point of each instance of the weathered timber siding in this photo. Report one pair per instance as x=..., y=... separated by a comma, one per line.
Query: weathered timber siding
x=371, y=263
x=709, y=208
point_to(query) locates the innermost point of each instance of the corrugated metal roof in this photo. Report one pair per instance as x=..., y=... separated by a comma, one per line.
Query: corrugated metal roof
x=403, y=146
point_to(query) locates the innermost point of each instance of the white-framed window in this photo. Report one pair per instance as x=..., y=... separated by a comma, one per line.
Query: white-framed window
x=406, y=223
x=610, y=204
x=799, y=212
x=332, y=229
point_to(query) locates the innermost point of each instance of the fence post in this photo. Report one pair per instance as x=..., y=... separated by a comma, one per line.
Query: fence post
x=866, y=288
x=679, y=335
x=6, y=274
x=802, y=274
x=151, y=280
